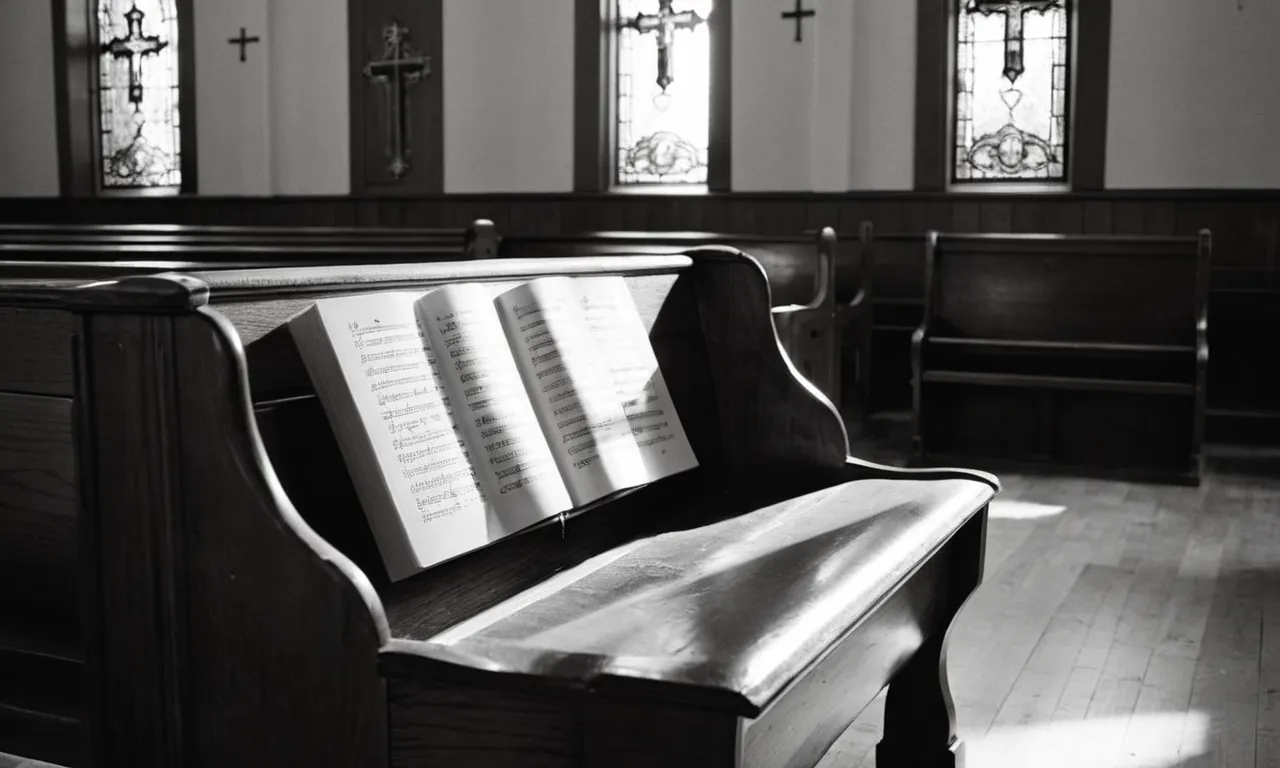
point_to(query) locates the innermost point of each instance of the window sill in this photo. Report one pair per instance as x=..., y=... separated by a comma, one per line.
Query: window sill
x=678, y=190
x=1007, y=188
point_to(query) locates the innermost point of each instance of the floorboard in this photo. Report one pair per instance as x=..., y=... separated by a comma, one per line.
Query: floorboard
x=1139, y=624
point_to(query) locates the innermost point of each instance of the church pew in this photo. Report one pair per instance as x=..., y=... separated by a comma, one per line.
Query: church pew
x=479, y=237
x=34, y=251
x=236, y=612
x=805, y=287
x=1243, y=404
x=1064, y=352
x=896, y=287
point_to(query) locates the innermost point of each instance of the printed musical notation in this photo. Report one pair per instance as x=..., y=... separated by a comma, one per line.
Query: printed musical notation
x=474, y=358
x=400, y=374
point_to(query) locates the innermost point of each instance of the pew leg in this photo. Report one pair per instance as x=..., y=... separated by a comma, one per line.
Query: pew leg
x=919, y=713
x=919, y=716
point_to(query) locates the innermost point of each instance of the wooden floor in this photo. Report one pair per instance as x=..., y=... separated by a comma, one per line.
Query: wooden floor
x=1119, y=625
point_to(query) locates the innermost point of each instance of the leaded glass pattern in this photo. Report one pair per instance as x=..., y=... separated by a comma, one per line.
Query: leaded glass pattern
x=138, y=94
x=1011, y=90
x=663, y=133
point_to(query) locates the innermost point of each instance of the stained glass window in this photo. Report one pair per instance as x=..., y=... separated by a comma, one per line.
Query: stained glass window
x=663, y=91
x=138, y=93
x=1011, y=90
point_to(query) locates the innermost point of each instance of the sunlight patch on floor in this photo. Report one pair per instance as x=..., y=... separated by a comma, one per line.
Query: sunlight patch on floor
x=1013, y=509
x=1151, y=740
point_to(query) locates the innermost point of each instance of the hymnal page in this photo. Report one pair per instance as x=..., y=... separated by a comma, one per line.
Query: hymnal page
x=572, y=393
x=405, y=413
x=612, y=318
x=511, y=455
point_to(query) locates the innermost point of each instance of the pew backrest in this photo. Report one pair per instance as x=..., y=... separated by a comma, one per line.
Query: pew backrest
x=801, y=269
x=1060, y=288
x=197, y=375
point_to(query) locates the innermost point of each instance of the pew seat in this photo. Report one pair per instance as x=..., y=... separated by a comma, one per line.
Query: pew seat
x=1064, y=352
x=233, y=609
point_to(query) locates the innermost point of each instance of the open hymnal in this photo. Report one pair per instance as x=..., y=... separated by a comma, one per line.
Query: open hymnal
x=464, y=417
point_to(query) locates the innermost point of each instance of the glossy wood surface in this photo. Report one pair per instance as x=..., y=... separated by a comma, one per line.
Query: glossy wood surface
x=805, y=276
x=1093, y=350
x=219, y=540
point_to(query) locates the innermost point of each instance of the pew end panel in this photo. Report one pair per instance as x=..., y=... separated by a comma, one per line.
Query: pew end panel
x=1089, y=353
x=238, y=614
x=896, y=264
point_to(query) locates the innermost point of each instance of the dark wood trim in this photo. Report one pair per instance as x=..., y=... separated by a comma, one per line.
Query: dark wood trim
x=363, y=43
x=187, y=96
x=73, y=68
x=355, y=94
x=1090, y=91
x=592, y=65
x=933, y=80
x=719, y=143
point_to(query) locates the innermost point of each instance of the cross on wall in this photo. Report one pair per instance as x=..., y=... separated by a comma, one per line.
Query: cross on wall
x=243, y=41
x=799, y=14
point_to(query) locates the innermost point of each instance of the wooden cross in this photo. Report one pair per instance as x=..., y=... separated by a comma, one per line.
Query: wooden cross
x=242, y=41
x=665, y=23
x=1013, y=11
x=399, y=69
x=799, y=14
x=134, y=47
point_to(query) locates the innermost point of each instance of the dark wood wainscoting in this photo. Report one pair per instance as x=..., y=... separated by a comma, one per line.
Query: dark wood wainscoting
x=1244, y=388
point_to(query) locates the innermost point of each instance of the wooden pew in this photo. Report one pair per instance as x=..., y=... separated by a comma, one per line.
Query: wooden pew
x=896, y=288
x=802, y=284
x=37, y=251
x=1244, y=386
x=480, y=235
x=1078, y=352
x=235, y=612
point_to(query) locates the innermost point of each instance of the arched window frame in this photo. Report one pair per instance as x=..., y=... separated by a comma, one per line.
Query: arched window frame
x=76, y=61
x=595, y=118
x=935, y=90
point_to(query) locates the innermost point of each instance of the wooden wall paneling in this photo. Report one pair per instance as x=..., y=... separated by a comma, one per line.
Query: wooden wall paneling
x=887, y=215
x=1030, y=216
x=792, y=216
x=1127, y=217
x=425, y=100
x=1097, y=217
x=852, y=212
x=1191, y=214
x=997, y=216
x=966, y=217
x=826, y=213
x=1068, y=218
x=1158, y=217
x=691, y=215
x=715, y=213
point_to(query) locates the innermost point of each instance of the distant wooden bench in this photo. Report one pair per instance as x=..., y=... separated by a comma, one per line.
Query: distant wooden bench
x=1080, y=352
x=800, y=269
x=207, y=550
x=29, y=250
x=446, y=238
x=896, y=298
